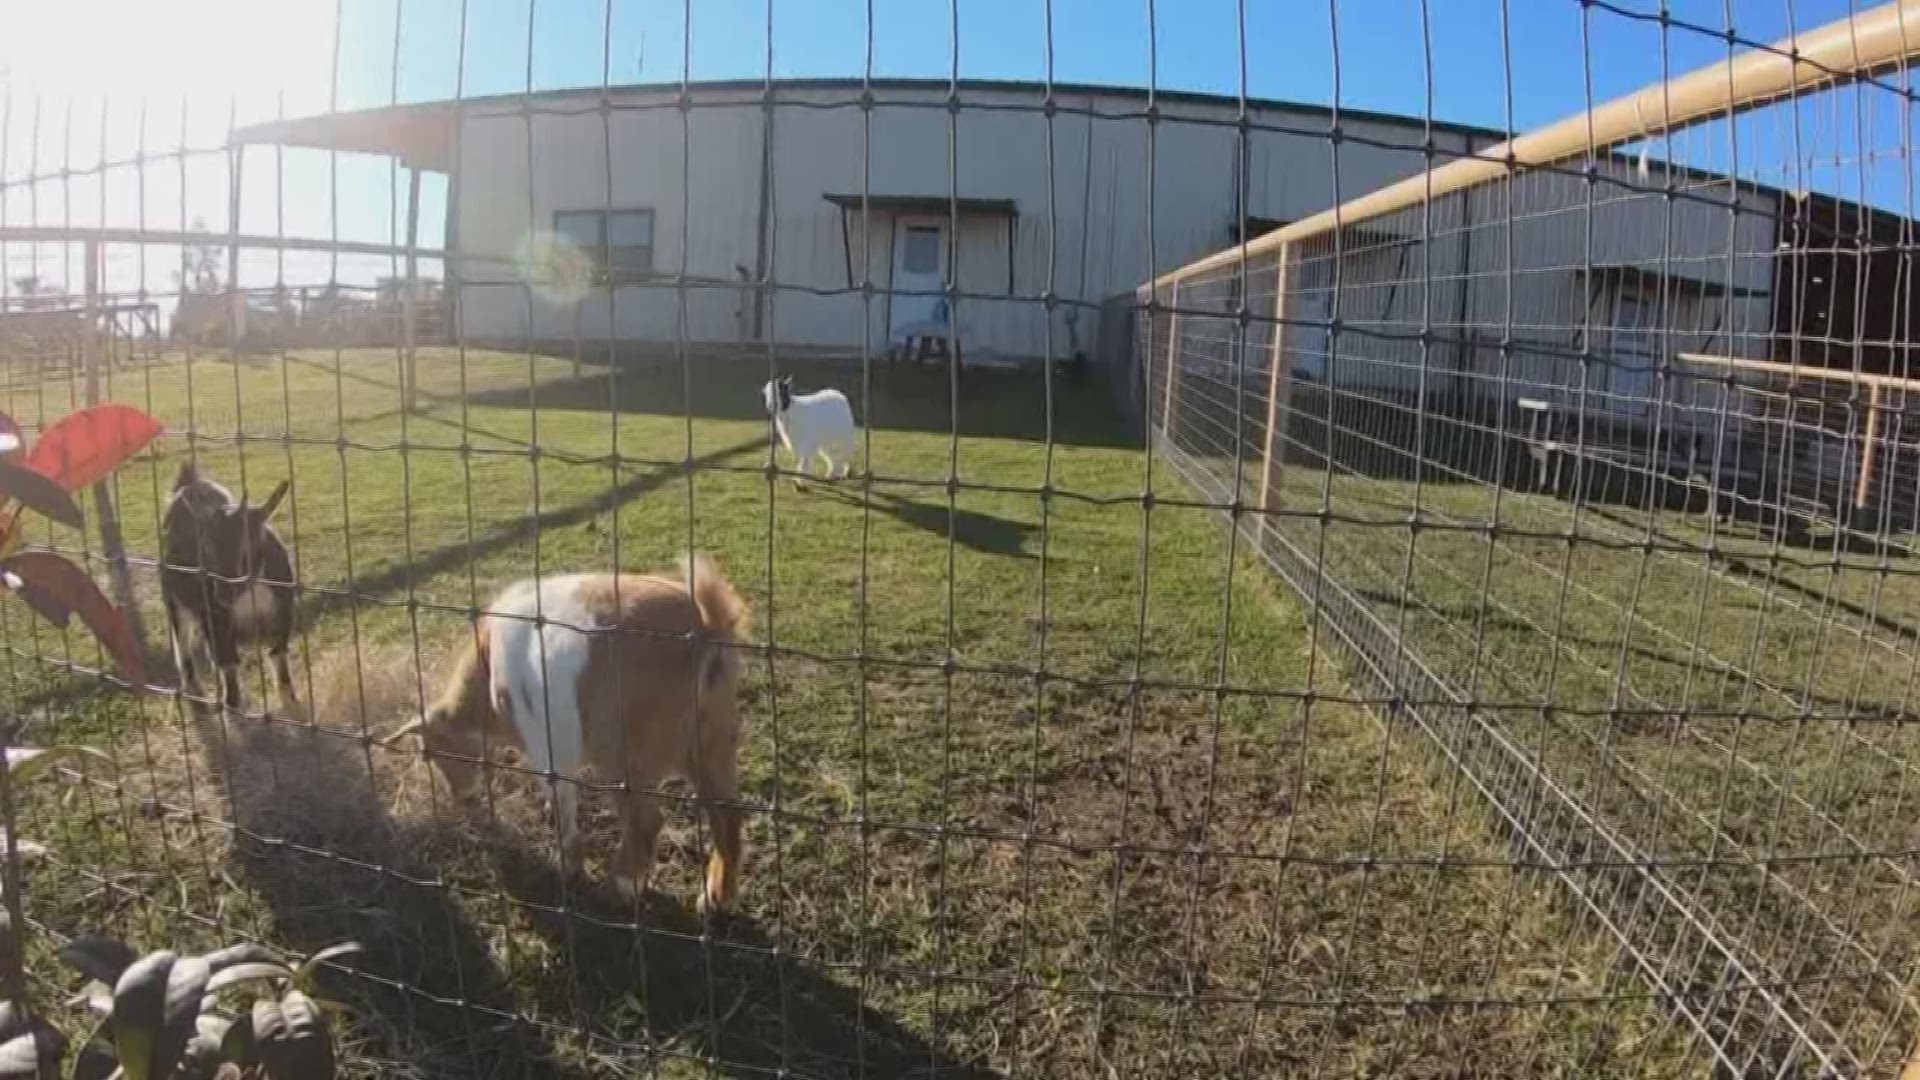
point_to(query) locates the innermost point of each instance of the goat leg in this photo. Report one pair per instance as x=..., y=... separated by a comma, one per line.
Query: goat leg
x=566, y=808
x=183, y=645
x=283, y=674
x=641, y=817
x=718, y=783
x=225, y=646
x=230, y=687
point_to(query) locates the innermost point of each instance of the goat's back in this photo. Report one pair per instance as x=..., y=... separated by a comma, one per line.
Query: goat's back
x=829, y=404
x=611, y=667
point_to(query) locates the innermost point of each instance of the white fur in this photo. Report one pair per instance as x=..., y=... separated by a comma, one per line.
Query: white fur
x=817, y=424
x=536, y=681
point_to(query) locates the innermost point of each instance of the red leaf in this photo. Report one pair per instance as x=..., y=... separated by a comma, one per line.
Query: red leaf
x=54, y=580
x=42, y=600
x=84, y=447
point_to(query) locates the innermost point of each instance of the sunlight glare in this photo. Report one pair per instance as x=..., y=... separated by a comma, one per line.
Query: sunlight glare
x=198, y=50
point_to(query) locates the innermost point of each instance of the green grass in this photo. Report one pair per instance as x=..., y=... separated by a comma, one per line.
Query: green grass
x=958, y=868
x=1718, y=693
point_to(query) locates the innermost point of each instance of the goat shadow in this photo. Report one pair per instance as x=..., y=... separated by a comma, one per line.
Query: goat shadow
x=989, y=404
x=429, y=994
x=315, y=840
x=982, y=532
x=718, y=992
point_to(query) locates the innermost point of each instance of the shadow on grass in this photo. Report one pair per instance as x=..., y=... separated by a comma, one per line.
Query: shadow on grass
x=428, y=994
x=1683, y=668
x=531, y=973
x=317, y=844
x=1765, y=575
x=992, y=405
x=315, y=606
x=717, y=993
x=973, y=529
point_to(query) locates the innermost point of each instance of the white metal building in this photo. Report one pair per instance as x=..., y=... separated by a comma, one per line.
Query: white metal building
x=856, y=200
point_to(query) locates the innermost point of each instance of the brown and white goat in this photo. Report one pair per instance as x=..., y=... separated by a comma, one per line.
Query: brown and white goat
x=227, y=578
x=633, y=675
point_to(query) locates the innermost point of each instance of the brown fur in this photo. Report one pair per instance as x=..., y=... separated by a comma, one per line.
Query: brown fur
x=653, y=706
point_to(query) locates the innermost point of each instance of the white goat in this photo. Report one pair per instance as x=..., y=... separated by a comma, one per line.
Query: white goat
x=820, y=423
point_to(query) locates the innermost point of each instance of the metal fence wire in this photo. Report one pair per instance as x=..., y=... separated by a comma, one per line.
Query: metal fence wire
x=1319, y=591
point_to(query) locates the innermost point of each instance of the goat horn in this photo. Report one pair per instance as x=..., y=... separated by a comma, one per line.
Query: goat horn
x=273, y=500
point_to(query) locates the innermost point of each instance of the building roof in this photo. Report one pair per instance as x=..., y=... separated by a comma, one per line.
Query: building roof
x=422, y=135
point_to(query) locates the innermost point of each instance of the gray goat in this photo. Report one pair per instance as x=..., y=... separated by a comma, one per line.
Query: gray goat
x=226, y=578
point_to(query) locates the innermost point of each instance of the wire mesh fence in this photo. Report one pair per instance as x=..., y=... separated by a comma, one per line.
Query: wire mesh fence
x=1542, y=710
x=1590, y=461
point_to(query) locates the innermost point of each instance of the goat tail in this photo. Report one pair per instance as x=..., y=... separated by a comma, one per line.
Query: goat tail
x=723, y=614
x=188, y=474
x=722, y=609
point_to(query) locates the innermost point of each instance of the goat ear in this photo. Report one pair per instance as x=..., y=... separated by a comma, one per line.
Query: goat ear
x=273, y=501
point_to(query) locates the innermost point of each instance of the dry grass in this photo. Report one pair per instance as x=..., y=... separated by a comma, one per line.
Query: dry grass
x=966, y=872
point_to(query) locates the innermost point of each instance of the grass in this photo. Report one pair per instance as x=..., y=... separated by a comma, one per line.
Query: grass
x=1712, y=691
x=957, y=867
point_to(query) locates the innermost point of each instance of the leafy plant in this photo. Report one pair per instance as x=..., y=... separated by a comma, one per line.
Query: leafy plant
x=164, y=1016
x=80, y=449
x=28, y=1046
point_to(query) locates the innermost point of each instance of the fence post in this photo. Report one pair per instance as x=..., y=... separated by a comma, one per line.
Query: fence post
x=1277, y=383
x=409, y=377
x=113, y=545
x=1863, y=484
x=1173, y=363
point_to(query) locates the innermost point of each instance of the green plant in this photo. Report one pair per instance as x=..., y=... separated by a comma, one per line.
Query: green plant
x=28, y=1046
x=164, y=1016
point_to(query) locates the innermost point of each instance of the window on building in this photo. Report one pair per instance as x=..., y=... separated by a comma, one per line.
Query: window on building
x=620, y=242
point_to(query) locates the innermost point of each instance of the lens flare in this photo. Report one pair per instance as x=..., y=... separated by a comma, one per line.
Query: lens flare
x=559, y=271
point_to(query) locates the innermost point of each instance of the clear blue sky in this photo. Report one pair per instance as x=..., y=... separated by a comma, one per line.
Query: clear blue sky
x=253, y=59
x=1518, y=64
x=1286, y=50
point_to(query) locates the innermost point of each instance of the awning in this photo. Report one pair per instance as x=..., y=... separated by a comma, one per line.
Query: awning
x=421, y=136
x=930, y=205
x=925, y=204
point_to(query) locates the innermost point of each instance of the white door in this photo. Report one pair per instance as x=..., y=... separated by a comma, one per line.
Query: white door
x=919, y=264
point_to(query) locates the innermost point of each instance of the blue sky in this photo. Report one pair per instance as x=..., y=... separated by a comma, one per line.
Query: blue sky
x=243, y=60
x=1286, y=48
